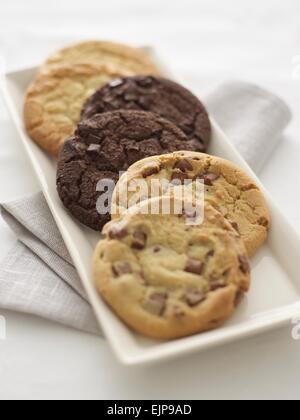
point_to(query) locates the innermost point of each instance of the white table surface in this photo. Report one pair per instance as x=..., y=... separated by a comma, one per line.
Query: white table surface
x=207, y=41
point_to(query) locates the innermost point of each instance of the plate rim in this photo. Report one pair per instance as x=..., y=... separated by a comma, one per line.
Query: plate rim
x=227, y=334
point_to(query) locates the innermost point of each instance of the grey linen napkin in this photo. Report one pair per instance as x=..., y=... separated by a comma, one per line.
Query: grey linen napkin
x=38, y=277
x=253, y=119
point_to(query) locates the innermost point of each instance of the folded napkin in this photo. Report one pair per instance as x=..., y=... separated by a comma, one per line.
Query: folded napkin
x=38, y=277
x=253, y=119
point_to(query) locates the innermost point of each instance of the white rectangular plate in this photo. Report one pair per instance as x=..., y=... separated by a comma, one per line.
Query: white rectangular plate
x=275, y=293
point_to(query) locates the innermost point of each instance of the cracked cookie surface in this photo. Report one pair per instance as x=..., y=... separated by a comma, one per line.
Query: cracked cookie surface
x=160, y=96
x=102, y=147
x=166, y=279
x=227, y=188
x=121, y=56
x=54, y=100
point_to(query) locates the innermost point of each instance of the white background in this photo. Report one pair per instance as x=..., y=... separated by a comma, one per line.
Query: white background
x=207, y=41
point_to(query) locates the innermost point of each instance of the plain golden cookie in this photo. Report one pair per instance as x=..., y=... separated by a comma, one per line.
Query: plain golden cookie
x=103, y=52
x=167, y=279
x=227, y=188
x=54, y=100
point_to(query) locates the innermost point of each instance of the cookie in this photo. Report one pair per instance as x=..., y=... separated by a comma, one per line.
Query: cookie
x=102, y=147
x=121, y=56
x=54, y=100
x=227, y=188
x=160, y=96
x=166, y=279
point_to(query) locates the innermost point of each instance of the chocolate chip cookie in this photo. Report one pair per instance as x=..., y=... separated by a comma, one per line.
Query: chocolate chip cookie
x=160, y=96
x=101, y=148
x=227, y=188
x=54, y=100
x=166, y=279
x=121, y=56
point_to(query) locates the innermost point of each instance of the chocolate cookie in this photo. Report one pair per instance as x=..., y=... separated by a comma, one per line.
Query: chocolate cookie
x=54, y=101
x=101, y=148
x=166, y=280
x=227, y=188
x=160, y=96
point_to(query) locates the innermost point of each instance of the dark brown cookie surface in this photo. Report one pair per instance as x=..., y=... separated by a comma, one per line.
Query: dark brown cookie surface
x=104, y=146
x=160, y=96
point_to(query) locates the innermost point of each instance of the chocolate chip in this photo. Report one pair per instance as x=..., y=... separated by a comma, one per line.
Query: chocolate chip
x=188, y=129
x=156, y=303
x=139, y=241
x=194, y=297
x=153, y=170
x=235, y=226
x=194, y=267
x=244, y=264
x=133, y=153
x=210, y=178
x=157, y=249
x=226, y=273
x=179, y=177
x=121, y=268
x=263, y=221
x=178, y=312
x=116, y=83
x=79, y=147
x=145, y=81
x=94, y=148
x=217, y=284
x=184, y=165
x=117, y=233
x=93, y=139
x=210, y=253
